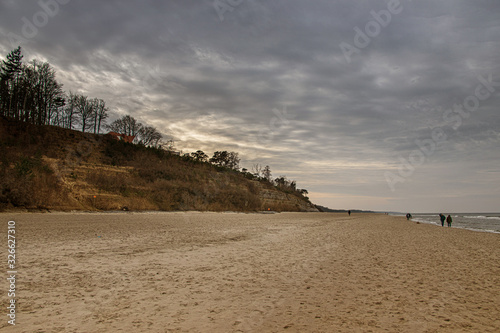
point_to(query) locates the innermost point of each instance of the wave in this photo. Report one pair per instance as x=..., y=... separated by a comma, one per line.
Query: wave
x=461, y=222
x=475, y=217
x=481, y=230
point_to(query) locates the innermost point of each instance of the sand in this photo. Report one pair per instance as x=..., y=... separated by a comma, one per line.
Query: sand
x=229, y=272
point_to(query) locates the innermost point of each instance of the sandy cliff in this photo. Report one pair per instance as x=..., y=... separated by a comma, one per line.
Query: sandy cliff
x=46, y=167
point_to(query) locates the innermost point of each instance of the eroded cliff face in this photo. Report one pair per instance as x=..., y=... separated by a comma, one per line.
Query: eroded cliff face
x=58, y=169
x=85, y=189
x=273, y=199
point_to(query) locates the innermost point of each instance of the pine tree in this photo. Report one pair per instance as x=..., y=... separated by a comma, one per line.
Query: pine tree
x=13, y=65
x=10, y=72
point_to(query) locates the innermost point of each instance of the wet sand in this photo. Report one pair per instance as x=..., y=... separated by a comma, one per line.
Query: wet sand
x=228, y=272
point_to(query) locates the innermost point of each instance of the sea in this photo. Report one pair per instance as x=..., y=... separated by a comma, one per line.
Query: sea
x=485, y=222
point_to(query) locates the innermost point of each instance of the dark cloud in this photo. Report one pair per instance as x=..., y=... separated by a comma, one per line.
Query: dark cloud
x=270, y=80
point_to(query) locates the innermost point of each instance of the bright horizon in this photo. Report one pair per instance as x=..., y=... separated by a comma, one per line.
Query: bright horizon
x=372, y=105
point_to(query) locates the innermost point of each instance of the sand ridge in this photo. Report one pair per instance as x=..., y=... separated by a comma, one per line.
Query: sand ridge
x=229, y=272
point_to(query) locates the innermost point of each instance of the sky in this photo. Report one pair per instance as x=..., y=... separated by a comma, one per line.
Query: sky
x=377, y=105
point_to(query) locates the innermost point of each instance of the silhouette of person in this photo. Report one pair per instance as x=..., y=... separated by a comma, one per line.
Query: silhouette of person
x=442, y=217
x=449, y=220
x=408, y=216
x=349, y=212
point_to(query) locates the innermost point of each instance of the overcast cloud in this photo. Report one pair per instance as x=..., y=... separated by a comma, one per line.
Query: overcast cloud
x=369, y=128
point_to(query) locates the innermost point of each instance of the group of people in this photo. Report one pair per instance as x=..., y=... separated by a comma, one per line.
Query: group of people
x=448, y=219
x=443, y=218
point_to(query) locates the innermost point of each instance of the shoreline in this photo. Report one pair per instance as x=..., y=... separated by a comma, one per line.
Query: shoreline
x=239, y=272
x=48, y=211
x=452, y=227
x=417, y=220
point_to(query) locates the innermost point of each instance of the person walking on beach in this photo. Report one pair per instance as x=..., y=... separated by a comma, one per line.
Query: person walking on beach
x=449, y=220
x=349, y=212
x=408, y=216
x=442, y=217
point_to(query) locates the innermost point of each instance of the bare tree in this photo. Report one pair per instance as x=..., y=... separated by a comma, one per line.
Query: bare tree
x=149, y=136
x=257, y=170
x=100, y=114
x=85, y=110
x=42, y=93
x=126, y=125
x=131, y=125
x=68, y=112
x=56, y=113
x=167, y=145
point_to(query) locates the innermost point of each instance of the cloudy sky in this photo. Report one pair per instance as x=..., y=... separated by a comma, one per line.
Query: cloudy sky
x=383, y=105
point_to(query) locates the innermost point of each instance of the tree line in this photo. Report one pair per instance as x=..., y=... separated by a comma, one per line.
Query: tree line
x=144, y=135
x=230, y=160
x=29, y=92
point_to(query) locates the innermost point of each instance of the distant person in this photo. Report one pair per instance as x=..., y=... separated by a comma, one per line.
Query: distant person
x=408, y=216
x=449, y=220
x=442, y=217
x=349, y=212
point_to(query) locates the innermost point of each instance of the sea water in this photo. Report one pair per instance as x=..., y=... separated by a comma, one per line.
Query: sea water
x=486, y=222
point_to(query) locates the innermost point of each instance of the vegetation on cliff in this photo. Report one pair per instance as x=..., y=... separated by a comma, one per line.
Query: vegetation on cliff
x=48, y=167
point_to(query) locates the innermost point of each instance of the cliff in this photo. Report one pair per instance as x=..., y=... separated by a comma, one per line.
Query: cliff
x=47, y=167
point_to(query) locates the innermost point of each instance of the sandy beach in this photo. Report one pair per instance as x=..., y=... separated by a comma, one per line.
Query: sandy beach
x=229, y=272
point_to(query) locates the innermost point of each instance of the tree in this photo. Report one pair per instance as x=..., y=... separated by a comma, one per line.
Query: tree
x=10, y=72
x=13, y=64
x=285, y=184
x=131, y=126
x=56, y=112
x=145, y=135
x=69, y=111
x=257, y=170
x=100, y=114
x=149, y=136
x=220, y=158
x=233, y=161
x=266, y=174
x=226, y=159
x=200, y=156
x=43, y=95
x=168, y=145
x=116, y=126
x=85, y=111
x=126, y=125
x=31, y=93
x=281, y=181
